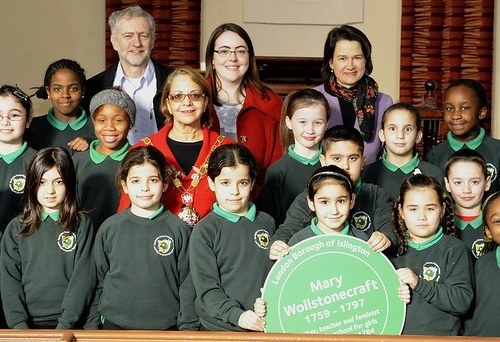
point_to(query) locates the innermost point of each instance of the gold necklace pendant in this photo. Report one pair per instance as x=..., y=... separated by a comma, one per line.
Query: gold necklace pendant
x=189, y=215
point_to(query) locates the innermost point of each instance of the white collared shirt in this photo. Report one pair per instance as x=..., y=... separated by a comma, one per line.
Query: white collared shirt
x=142, y=90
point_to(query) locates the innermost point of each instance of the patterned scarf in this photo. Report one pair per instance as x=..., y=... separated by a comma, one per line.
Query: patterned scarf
x=363, y=98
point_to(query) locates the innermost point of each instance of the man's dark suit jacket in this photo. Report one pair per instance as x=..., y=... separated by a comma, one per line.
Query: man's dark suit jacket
x=104, y=80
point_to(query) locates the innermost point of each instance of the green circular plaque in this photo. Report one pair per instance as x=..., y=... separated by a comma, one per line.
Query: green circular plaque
x=333, y=284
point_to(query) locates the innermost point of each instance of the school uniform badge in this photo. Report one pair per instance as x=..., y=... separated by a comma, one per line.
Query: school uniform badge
x=163, y=245
x=431, y=271
x=492, y=171
x=66, y=241
x=478, y=248
x=17, y=183
x=361, y=220
x=261, y=238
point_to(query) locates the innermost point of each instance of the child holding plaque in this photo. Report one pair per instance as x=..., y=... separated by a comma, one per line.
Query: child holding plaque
x=228, y=248
x=331, y=197
x=467, y=180
x=484, y=321
x=343, y=146
x=435, y=264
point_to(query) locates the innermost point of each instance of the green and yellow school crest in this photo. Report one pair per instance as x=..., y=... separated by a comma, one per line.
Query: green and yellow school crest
x=66, y=241
x=478, y=248
x=361, y=220
x=261, y=238
x=163, y=245
x=17, y=183
x=492, y=171
x=431, y=271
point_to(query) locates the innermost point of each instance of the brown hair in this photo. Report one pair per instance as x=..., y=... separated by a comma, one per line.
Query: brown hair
x=350, y=33
x=421, y=181
x=43, y=161
x=293, y=102
x=251, y=77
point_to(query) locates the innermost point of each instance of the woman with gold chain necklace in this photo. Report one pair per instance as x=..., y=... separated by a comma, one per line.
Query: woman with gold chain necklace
x=187, y=142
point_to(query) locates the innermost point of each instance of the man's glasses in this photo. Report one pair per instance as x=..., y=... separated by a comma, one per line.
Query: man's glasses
x=240, y=52
x=179, y=97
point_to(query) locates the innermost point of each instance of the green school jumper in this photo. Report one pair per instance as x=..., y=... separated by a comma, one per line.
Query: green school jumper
x=371, y=212
x=96, y=178
x=472, y=235
x=13, y=168
x=49, y=275
x=390, y=177
x=285, y=179
x=484, y=321
x=142, y=271
x=487, y=146
x=444, y=290
x=47, y=131
x=229, y=263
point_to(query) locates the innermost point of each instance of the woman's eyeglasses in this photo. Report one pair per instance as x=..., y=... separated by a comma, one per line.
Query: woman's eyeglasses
x=241, y=52
x=179, y=97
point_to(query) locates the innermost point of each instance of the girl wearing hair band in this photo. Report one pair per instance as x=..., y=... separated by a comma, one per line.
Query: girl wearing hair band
x=15, y=155
x=330, y=197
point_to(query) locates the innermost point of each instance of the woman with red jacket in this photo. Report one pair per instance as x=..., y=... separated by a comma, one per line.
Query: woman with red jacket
x=187, y=141
x=245, y=109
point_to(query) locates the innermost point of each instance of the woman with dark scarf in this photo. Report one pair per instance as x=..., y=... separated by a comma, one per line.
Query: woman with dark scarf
x=352, y=94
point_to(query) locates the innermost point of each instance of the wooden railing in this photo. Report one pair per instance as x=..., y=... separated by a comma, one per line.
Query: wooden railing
x=156, y=336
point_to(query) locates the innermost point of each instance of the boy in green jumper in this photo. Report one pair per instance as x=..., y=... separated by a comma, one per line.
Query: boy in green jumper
x=113, y=114
x=464, y=106
x=343, y=146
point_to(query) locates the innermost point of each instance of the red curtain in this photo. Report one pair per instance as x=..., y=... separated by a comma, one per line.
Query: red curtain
x=177, y=30
x=445, y=40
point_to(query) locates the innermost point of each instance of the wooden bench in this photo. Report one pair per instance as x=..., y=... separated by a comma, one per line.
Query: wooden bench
x=156, y=336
